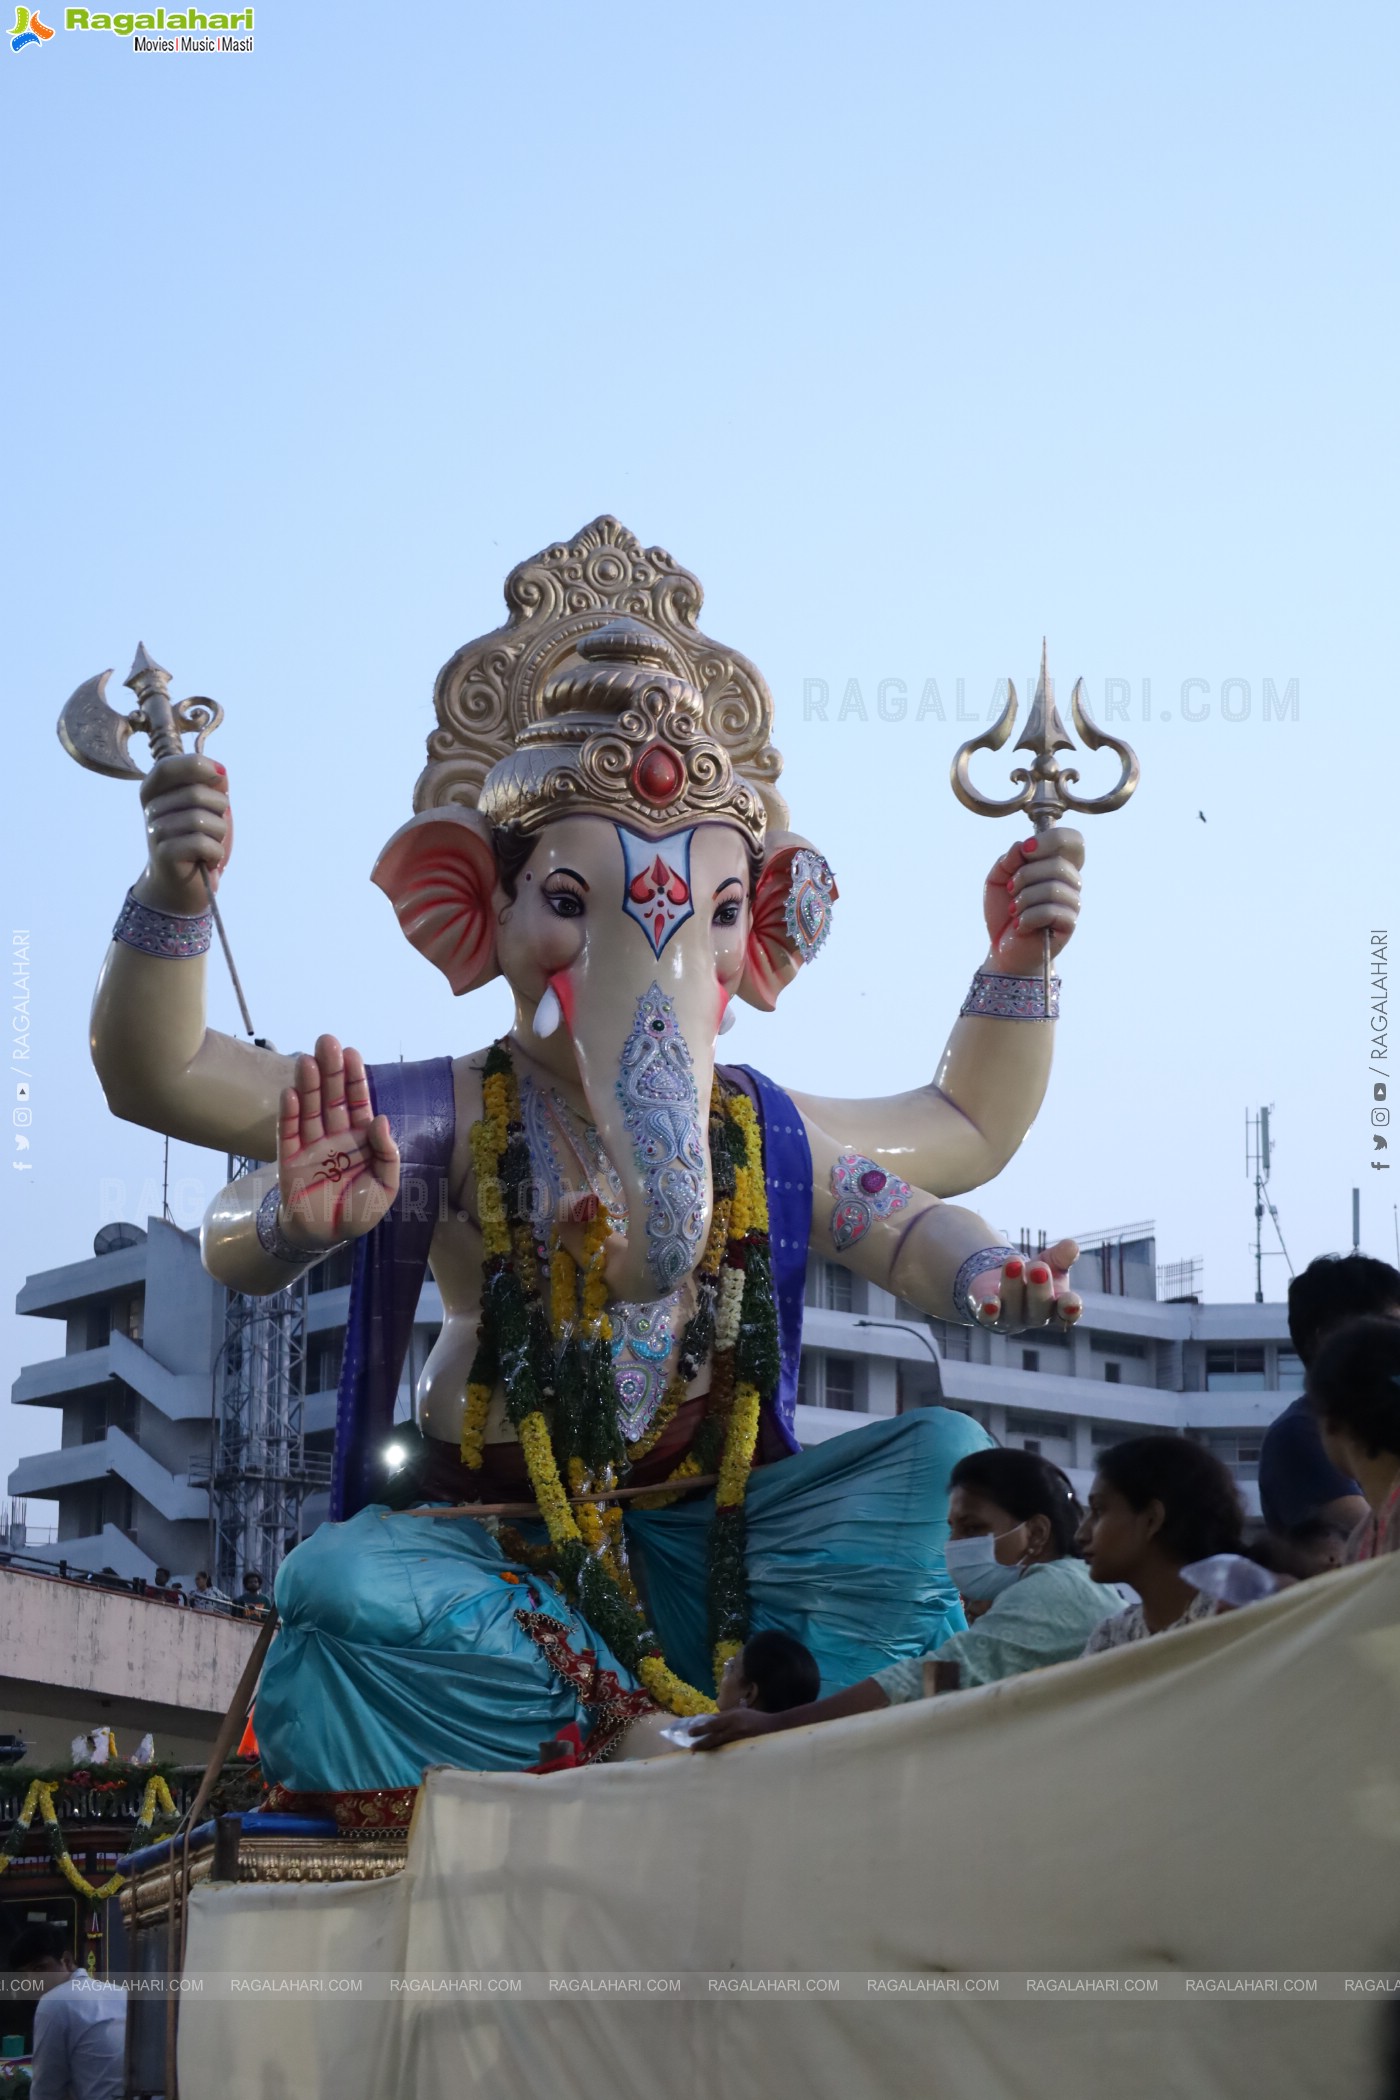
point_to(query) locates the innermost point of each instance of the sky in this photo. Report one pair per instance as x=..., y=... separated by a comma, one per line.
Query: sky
x=918, y=332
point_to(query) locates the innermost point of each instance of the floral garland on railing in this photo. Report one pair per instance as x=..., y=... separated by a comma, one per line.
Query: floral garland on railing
x=561, y=1395
x=40, y=1796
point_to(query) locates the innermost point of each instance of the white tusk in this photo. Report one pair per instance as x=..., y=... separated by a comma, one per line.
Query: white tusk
x=730, y=1017
x=549, y=1013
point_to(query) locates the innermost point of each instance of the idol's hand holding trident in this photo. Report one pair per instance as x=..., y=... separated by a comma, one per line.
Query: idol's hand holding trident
x=1032, y=894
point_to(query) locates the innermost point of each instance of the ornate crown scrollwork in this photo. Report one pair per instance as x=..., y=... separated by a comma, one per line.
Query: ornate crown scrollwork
x=601, y=693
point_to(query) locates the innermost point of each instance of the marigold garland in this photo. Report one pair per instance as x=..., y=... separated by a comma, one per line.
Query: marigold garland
x=560, y=1390
x=41, y=1794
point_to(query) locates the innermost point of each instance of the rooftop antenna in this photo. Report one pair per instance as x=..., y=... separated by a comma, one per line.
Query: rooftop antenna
x=1258, y=1155
x=1356, y=1221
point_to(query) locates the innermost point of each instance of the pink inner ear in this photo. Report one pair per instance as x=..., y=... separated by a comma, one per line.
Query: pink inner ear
x=439, y=873
x=771, y=964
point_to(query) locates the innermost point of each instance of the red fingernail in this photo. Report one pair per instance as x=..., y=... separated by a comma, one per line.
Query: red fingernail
x=1039, y=1273
x=1013, y=1268
x=1029, y=846
x=991, y=1307
x=218, y=768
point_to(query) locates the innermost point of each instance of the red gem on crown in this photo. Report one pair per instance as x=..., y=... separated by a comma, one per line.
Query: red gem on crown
x=658, y=775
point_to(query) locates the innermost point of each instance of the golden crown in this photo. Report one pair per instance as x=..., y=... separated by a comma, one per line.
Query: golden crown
x=601, y=695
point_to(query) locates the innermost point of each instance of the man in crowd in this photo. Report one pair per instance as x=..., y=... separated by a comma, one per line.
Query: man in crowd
x=79, y=2022
x=1298, y=1484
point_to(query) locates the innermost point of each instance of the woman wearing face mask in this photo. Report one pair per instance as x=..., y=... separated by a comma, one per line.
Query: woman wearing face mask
x=1012, y=1519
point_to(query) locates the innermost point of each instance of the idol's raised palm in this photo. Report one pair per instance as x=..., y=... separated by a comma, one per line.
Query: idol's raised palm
x=337, y=1165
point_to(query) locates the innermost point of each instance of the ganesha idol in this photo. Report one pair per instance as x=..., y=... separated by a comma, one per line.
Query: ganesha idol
x=618, y=1221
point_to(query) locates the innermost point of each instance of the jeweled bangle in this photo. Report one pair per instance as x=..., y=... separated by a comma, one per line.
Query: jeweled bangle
x=173, y=934
x=1011, y=998
x=977, y=1265
x=273, y=1240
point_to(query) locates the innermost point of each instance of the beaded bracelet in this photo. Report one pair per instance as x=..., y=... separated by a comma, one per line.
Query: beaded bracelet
x=977, y=1264
x=273, y=1240
x=171, y=934
x=1011, y=998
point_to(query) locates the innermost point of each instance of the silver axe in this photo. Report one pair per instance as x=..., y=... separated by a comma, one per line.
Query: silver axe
x=97, y=736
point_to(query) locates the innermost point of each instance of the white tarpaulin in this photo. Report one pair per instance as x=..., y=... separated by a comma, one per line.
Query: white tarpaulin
x=1152, y=1853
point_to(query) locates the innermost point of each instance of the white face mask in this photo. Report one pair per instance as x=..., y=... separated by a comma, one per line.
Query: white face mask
x=976, y=1572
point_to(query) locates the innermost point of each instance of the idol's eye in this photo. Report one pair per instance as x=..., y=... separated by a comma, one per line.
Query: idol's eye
x=564, y=898
x=726, y=914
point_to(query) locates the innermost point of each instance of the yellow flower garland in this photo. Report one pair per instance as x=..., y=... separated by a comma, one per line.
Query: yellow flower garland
x=41, y=1796
x=599, y=1526
x=474, y=1426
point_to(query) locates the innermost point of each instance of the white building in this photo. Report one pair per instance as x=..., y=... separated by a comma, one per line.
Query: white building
x=143, y=1323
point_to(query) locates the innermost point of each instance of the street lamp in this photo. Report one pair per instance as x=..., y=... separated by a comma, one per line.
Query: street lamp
x=920, y=1334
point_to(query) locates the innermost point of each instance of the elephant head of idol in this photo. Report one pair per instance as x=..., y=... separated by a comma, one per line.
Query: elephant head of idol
x=599, y=823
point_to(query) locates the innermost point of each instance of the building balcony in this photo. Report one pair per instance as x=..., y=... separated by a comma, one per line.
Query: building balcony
x=49, y=1473
x=56, y=1294
x=180, y=1398
x=62, y=1378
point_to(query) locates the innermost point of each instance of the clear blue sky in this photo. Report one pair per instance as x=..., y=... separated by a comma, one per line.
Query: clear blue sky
x=917, y=331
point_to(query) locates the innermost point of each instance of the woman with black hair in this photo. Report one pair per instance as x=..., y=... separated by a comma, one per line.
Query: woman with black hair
x=1354, y=1391
x=1012, y=1519
x=1157, y=1504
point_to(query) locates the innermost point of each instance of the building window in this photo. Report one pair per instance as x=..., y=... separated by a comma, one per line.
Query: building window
x=953, y=1339
x=1104, y=1435
x=1239, y=1450
x=804, y=1395
x=1044, y=1429
x=836, y=1287
x=1030, y=1359
x=333, y=1274
x=1290, y=1371
x=1113, y=1373
x=840, y=1382
x=1235, y=1369
x=324, y=1355
x=1117, y=1345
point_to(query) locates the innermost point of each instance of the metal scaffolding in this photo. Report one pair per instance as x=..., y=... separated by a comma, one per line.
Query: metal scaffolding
x=258, y=1472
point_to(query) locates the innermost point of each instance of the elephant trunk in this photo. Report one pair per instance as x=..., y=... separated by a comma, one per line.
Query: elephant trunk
x=649, y=1093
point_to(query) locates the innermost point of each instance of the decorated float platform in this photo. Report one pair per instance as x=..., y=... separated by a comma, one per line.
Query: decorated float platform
x=1164, y=1870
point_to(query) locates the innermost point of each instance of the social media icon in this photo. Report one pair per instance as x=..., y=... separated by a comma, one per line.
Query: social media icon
x=1380, y=1115
x=1378, y=1090
x=22, y=1143
x=1379, y=1143
x=25, y=1116
x=21, y=1090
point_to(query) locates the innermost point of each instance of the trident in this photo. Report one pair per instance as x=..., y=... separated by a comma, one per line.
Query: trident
x=97, y=736
x=1044, y=787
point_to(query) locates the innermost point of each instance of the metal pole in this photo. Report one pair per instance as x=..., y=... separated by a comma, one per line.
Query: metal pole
x=903, y=1327
x=1356, y=1221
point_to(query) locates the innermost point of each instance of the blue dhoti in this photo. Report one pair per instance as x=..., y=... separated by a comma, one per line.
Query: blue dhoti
x=408, y=1641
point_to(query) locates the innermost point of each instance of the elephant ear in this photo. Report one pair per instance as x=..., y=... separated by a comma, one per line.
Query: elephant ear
x=791, y=917
x=439, y=873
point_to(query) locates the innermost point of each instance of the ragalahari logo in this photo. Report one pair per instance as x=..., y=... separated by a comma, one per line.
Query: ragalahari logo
x=28, y=29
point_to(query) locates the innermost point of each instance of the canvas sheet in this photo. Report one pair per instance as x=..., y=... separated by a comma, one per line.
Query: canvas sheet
x=1225, y=1799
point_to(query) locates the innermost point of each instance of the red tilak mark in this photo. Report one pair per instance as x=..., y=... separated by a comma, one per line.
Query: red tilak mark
x=657, y=882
